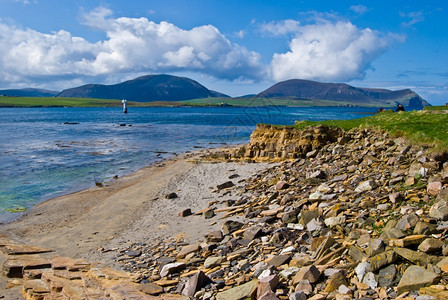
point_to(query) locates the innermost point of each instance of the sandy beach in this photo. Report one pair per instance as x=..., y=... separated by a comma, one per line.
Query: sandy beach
x=133, y=208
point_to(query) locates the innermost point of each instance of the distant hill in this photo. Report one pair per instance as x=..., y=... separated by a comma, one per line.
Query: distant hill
x=145, y=89
x=297, y=89
x=28, y=93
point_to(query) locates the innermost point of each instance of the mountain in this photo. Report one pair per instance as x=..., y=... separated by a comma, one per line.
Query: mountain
x=145, y=89
x=297, y=89
x=28, y=93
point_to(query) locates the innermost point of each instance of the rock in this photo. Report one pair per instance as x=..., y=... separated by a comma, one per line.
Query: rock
x=172, y=268
x=133, y=253
x=289, y=217
x=414, y=278
x=370, y=280
x=366, y=186
x=187, y=250
x=225, y=185
x=289, y=273
x=279, y=260
x=244, y=291
x=185, y=213
x=314, y=225
x=267, y=284
x=310, y=273
x=150, y=288
x=443, y=264
x=281, y=185
x=335, y=282
x=304, y=286
x=14, y=266
x=316, y=196
x=14, y=249
x=431, y=245
x=361, y=270
x=214, y=236
x=407, y=241
x=319, y=174
x=172, y=195
x=387, y=275
x=343, y=289
x=439, y=210
x=381, y=260
x=424, y=228
x=268, y=296
x=298, y=296
x=407, y=222
x=231, y=226
x=376, y=246
x=415, y=257
x=208, y=214
x=334, y=221
x=212, y=261
x=434, y=188
x=252, y=233
x=195, y=283
x=392, y=233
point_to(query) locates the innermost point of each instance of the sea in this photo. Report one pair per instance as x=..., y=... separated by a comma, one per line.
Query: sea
x=49, y=152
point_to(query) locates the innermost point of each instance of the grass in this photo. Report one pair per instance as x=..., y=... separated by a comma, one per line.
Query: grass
x=436, y=108
x=258, y=101
x=422, y=127
x=6, y=101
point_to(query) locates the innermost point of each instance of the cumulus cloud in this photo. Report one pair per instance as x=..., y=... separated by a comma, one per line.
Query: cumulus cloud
x=280, y=28
x=132, y=45
x=330, y=51
x=359, y=9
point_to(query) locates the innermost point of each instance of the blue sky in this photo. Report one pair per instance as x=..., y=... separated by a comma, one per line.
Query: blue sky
x=234, y=47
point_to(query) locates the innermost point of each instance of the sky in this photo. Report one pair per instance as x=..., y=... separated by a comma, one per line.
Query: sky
x=236, y=47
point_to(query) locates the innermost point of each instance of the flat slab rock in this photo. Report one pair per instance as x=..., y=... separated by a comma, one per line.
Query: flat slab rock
x=13, y=249
x=416, y=277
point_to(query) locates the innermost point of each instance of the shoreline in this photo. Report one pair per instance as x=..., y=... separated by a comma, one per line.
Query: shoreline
x=78, y=223
x=7, y=217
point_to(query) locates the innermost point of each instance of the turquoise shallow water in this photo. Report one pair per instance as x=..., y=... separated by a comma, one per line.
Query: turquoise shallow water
x=47, y=152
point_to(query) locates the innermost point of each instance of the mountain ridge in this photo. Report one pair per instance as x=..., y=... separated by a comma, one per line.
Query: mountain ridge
x=295, y=92
x=146, y=88
x=28, y=92
x=306, y=89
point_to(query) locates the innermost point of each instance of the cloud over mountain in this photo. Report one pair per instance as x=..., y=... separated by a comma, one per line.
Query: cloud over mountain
x=132, y=45
x=330, y=51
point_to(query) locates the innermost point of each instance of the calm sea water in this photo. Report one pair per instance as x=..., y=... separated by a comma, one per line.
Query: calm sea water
x=47, y=152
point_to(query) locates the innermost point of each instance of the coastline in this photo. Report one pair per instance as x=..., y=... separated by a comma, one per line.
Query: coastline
x=79, y=223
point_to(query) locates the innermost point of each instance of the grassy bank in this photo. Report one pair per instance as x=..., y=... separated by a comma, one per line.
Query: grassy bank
x=427, y=127
x=6, y=101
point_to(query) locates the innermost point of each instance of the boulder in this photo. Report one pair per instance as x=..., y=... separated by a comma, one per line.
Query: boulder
x=416, y=277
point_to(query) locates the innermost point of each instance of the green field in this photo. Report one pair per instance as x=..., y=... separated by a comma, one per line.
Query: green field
x=6, y=101
x=426, y=127
x=258, y=101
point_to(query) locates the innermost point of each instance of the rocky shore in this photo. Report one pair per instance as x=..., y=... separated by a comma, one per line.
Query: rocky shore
x=341, y=215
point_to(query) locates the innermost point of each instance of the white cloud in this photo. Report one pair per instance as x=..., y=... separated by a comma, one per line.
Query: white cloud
x=280, y=28
x=359, y=9
x=330, y=51
x=132, y=45
x=414, y=18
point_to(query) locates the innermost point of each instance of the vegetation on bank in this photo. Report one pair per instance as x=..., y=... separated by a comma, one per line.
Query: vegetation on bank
x=426, y=127
x=7, y=101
